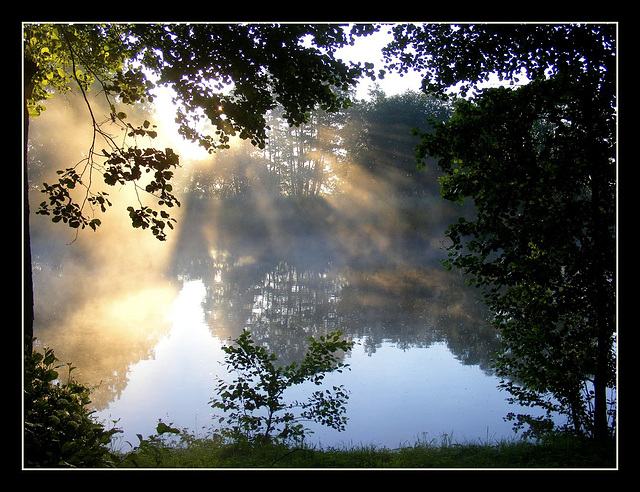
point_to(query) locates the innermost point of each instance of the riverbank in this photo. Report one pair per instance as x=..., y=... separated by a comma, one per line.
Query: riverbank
x=556, y=453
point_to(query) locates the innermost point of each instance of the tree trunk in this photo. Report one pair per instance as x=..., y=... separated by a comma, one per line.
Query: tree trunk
x=28, y=314
x=600, y=222
x=601, y=305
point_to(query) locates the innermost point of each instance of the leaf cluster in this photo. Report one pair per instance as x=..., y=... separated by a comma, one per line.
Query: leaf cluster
x=63, y=55
x=61, y=205
x=462, y=55
x=129, y=165
x=120, y=166
x=254, y=404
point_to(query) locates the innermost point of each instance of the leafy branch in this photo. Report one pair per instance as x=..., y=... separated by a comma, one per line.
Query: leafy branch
x=122, y=163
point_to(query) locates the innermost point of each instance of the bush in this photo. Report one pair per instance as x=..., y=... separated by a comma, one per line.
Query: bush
x=59, y=430
x=254, y=404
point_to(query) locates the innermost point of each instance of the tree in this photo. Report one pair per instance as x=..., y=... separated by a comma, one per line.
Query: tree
x=228, y=74
x=379, y=138
x=306, y=159
x=235, y=73
x=538, y=162
x=261, y=384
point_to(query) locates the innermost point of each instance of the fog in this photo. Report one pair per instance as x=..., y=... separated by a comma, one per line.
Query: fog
x=100, y=291
x=274, y=252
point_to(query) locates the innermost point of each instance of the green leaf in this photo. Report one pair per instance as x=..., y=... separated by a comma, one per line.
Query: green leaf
x=163, y=428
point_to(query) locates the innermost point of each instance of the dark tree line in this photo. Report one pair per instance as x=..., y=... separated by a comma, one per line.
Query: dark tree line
x=538, y=160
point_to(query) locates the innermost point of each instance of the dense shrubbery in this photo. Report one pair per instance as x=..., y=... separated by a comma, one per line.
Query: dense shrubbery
x=59, y=429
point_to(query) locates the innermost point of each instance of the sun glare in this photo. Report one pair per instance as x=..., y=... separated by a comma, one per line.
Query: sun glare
x=165, y=112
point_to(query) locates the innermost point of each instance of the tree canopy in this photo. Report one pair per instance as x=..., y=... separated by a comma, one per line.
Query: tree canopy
x=230, y=75
x=463, y=56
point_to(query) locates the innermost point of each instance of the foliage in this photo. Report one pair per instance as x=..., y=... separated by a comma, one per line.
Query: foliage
x=455, y=58
x=538, y=162
x=263, y=66
x=89, y=56
x=306, y=160
x=379, y=139
x=153, y=450
x=228, y=74
x=254, y=402
x=59, y=430
x=62, y=56
x=119, y=167
x=320, y=157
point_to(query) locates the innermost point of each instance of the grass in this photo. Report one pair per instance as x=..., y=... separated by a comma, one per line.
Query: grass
x=555, y=453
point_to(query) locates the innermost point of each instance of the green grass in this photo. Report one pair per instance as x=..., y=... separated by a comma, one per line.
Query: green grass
x=213, y=453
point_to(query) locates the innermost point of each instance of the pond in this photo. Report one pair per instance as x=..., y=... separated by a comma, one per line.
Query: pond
x=145, y=322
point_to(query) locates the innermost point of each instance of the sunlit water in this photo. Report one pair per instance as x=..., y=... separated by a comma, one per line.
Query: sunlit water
x=179, y=379
x=397, y=396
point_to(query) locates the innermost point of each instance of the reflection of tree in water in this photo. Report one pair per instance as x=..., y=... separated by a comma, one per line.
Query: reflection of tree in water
x=365, y=262
x=416, y=307
x=285, y=294
x=102, y=324
x=291, y=305
x=280, y=304
x=101, y=302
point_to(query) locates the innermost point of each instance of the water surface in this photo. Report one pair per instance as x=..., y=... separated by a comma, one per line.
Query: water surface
x=145, y=323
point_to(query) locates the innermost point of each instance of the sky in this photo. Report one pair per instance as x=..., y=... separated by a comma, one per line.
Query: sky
x=369, y=49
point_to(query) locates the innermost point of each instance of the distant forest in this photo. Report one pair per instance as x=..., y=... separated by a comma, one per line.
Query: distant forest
x=366, y=143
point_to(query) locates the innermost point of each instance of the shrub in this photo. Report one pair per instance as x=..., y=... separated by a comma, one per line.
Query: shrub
x=254, y=404
x=59, y=430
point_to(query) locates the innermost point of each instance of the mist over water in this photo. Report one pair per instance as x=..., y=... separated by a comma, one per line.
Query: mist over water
x=144, y=320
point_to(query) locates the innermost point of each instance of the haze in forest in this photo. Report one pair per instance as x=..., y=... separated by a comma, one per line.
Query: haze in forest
x=344, y=188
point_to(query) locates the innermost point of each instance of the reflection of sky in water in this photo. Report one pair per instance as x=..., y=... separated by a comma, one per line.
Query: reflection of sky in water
x=102, y=302
x=177, y=383
x=394, y=400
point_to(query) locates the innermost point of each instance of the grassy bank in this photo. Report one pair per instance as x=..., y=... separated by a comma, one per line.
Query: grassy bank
x=211, y=453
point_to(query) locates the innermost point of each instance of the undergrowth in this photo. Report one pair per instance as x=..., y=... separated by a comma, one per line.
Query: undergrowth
x=184, y=450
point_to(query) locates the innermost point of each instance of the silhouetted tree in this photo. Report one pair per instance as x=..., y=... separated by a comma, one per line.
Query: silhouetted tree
x=539, y=163
x=380, y=140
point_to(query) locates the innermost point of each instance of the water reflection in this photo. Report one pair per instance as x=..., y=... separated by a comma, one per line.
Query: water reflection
x=399, y=397
x=308, y=279
x=177, y=382
x=298, y=269
x=120, y=305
